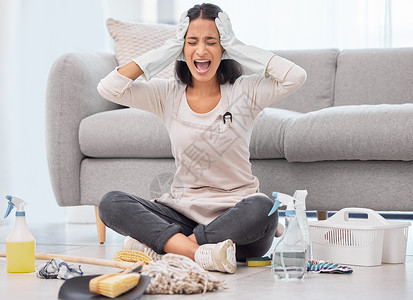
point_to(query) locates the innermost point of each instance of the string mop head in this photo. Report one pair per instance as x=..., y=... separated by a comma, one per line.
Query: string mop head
x=177, y=274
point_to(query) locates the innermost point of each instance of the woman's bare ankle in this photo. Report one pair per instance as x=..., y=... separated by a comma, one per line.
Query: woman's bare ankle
x=182, y=245
x=193, y=238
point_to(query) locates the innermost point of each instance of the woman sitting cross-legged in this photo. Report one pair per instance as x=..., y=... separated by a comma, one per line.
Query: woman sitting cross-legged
x=214, y=213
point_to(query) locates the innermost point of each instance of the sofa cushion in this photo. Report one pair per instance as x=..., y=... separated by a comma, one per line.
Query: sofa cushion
x=267, y=139
x=124, y=133
x=318, y=90
x=134, y=39
x=374, y=76
x=134, y=133
x=356, y=132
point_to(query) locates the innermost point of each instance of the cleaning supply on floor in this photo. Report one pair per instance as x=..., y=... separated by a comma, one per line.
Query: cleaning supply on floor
x=173, y=274
x=299, y=197
x=59, y=269
x=113, y=285
x=84, y=260
x=359, y=236
x=289, y=257
x=20, y=244
x=259, y=261
x=300, y=208
x=177, y=274
x=322, y=266
x=132, y=256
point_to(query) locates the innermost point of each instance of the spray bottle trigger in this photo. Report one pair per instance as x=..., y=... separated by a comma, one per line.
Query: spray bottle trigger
x=9, y=207
x=277, y=204
x=275, y=207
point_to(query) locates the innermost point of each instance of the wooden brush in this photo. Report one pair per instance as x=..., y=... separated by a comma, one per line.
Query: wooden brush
x=132, y=256
x=113, y=285
x=109, y=285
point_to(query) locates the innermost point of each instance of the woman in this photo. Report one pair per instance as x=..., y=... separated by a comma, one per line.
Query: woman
x=209, y=110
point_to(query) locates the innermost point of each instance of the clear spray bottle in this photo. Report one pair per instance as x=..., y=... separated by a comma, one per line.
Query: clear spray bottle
x=20, y=244
x=300, y=207
x=289, y=260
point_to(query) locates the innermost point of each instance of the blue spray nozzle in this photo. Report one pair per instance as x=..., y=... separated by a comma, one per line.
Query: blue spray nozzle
x=14, y=202
x=276, y=205
x=284, y=199
x=9, y=207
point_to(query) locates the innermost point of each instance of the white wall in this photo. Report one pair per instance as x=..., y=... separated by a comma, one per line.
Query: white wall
x=42, y=31
x=315, y=24
x=33, y=33
x=8, y=11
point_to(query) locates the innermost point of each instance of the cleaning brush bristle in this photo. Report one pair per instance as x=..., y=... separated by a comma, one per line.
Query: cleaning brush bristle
x=113, y=285
x=131, y=256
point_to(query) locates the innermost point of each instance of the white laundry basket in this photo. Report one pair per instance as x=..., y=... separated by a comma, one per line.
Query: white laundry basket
x=355, y=241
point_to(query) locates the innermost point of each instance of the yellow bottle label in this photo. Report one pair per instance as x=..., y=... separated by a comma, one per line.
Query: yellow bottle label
x=21, y=257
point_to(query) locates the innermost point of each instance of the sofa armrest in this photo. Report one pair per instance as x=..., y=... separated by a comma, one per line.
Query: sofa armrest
x=71, y=96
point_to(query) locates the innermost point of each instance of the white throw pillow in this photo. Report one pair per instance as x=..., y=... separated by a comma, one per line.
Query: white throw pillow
x=134, y=39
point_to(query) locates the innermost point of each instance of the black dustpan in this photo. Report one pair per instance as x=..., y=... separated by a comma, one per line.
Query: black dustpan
x=77, y=288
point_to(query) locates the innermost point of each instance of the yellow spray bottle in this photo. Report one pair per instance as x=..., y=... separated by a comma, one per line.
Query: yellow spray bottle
x=20, y=245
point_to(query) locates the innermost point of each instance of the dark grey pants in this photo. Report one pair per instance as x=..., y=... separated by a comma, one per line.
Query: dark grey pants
x=151, y=223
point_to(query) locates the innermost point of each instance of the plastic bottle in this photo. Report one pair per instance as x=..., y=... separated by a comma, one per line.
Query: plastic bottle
x=20, y=244
x=299, y=200
x=300, y=196
x=289, y=258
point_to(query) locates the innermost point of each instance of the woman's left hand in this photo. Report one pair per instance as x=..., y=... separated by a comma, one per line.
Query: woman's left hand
x=226, y=34
x=254, y=59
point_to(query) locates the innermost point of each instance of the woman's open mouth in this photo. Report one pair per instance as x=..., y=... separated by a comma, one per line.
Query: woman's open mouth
x=202, y=65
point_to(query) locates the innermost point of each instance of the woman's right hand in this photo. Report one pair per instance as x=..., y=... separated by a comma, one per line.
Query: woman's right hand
x=182, y=27
x=154, y=61
x=181, y=32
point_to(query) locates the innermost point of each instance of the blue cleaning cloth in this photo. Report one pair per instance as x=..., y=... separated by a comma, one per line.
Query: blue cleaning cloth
x=322, y=266
x=57, y=268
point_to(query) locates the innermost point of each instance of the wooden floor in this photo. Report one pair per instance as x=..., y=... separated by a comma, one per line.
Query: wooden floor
x=387, y=281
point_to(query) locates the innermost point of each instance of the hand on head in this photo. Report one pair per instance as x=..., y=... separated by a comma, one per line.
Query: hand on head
x=226, y=34
x=182, y=26
x=181, y=32
x=223, y=24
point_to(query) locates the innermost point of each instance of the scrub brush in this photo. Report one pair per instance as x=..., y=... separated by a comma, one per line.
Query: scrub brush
x=132, y=256
x=113, y=285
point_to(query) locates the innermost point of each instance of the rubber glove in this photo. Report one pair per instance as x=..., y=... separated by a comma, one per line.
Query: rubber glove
x=252, y=58
x=154, y=61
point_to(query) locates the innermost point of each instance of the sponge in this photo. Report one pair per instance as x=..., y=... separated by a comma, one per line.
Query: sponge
x=259, y=261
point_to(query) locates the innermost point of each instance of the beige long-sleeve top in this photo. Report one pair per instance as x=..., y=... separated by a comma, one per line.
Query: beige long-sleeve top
x=212, y=157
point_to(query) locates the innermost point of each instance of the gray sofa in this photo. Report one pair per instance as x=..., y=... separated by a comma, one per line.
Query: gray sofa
x=346, y=136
